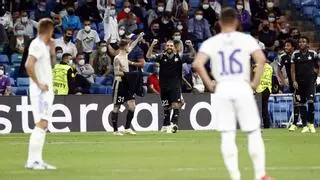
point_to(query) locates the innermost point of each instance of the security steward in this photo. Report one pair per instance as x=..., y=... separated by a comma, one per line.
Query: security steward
x=264, y=89
x=304, y=70
x=63, y=77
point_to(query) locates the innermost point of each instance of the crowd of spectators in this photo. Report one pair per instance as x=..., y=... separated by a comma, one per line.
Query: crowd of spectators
x=90, y=30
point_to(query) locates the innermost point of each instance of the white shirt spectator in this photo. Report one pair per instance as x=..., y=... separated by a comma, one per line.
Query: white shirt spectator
x=67, y=48
x=29, y=26
x=110, y=27
x=216, y=6
x=6, y=20
x=88, y=40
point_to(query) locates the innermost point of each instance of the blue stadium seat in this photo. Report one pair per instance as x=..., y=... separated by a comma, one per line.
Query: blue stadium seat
x=100, y=27
x=308, y=2
x=12, y=82
x=118, y=4
x=99, y=79
x=194, y=3
x=21, y=81
x=308, y=11
x=148, y=67
x=22, y=91
x=16, y=58
x=109, y=90
x=4, y=59
x=316, y=21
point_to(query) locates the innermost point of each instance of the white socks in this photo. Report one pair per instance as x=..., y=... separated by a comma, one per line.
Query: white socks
x=257, y=153
x=230, y=153
x=36, y=143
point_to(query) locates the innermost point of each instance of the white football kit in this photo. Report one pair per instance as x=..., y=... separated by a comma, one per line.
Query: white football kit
x=230, y=61
x=41, y=101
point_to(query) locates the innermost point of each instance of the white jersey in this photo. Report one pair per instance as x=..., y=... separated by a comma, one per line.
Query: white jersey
x=43, y=70
x=230, y=56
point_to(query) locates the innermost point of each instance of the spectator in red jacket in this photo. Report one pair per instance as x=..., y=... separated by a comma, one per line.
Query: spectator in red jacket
x=153, y=80
x=125, y=11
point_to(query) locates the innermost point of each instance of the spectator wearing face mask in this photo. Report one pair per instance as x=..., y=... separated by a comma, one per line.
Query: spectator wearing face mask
x=84, y=74
x=87, y=39
x=154, y=33
x=66, y=44
x=271, y=8
x=153, y=80
x=71, y=20
x=59, y=53
x=89, y=11
x=267, y=36
x=63, y=76
x=126, y=9
x=166, y=26
x=273, y=23
x=130, y=23
x=208, y=12
x=199, y=28
x=154, y=14
x=5, y=84
x=41, y=11
x=178, y=42
x=18, y=41
x=100, y=60
x=28, y=24
x=244, y=16
x=284, y=31
x=111, y=24
x=6, y=20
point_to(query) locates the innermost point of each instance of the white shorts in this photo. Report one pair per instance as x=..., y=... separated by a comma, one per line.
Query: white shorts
x=236, y=108
x=42, y=106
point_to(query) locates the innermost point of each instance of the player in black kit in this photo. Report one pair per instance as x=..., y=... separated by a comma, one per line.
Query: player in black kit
x=170, y=77
x=304, y=70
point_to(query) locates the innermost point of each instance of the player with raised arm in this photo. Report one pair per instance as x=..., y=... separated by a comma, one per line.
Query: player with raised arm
x=230, y=53
x=121, y=92
x=39, y=69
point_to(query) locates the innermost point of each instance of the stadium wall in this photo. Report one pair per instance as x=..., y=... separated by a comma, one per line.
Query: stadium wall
x=91, y=113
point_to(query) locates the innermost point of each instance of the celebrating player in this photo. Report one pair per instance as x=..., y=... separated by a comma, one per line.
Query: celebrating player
x=230, y=53
x=38, y=66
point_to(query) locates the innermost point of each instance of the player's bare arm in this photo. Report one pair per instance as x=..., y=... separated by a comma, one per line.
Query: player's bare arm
x=30, y=67
x=198, y=65
x=293, y=76
x=150, y=50
x=260, y=59
x=135, y=42
x=117, y=71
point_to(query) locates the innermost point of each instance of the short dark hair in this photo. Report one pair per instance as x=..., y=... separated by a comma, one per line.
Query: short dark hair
x=45, y=25
x=123, y=44
x=65, y=55
x=66, y=30
x=290, y=41
x=59, y=48
x=102, y=41
x=305, y=37
x=79, y=54
x=228, y=15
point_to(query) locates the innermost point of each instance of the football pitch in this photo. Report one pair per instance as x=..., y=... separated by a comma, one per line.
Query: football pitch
x=158, y=156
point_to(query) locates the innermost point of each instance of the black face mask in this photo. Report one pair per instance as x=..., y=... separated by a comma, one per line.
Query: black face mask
x=296, y=36
x=68, y=38
x=265, y=28
x=70, y=12
x=156, y=30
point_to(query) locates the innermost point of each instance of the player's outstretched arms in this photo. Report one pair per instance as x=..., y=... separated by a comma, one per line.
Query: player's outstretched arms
x=260, y=59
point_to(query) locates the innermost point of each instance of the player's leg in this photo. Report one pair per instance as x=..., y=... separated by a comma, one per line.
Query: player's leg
x=42, y=111
x=302, y=106
x=265, y=113
x=310, y=105
x=176, y=104
x=131, y=107
x=118, y=99
x=249, y=121
x=166, y=109
x=296, y=110
x=225, y=122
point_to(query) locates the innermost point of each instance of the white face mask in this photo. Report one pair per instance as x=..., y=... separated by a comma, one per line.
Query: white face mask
x=121, y=32
x=70, y=62
x=284, y=31
x=104, y=49
x=177, y=38
x=1, y=72
x=205, y=6
x=239, y=7
x=24, y=19
x=59, y=56
x=81, y=62
x=165, y=21
x=270, y=4
x=199, y=17
x=87, y=28
x=20, y=33
x=112, y=12
x=271, y=19
x=179, y=27
x=160, y=8
x=127, y=10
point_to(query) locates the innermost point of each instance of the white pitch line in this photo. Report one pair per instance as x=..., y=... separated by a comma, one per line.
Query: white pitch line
x=97, y=142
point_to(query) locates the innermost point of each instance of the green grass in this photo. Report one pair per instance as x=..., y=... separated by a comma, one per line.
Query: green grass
x=157, y=156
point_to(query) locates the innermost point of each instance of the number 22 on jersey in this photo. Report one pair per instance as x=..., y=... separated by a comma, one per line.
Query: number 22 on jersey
x=230, y=65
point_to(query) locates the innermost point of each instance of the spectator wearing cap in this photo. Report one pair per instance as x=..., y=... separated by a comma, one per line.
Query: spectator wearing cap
x=130, y=23
x=208, y=12
x=66, y=44
x=100, y=60
x=18, y=41
x=87, y=39
x=41, y=11
x=27, y=24
x=71, y=20
x=166, y=25
x=154, y=14
x=199, y=28
x=136, y=57
x=5, y=85
x=126, y=9
x=111, y=24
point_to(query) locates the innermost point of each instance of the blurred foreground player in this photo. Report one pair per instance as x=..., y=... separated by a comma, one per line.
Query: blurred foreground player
x=38, y=66
x=234, y=98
